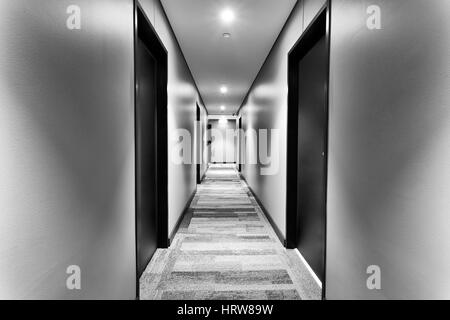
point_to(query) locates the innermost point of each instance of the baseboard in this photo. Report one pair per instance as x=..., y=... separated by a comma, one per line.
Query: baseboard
x=266, y=213
x=180, y=219
x=204, y=174
x=308, y=267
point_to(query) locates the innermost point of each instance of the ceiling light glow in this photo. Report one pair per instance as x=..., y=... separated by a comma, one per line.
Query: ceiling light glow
x=223, y=89
x=227, y=15
x=227, y=35
x=222, y=108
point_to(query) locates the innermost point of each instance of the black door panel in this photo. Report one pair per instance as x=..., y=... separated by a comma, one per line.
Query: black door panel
x=147, y=222
x=312, y=128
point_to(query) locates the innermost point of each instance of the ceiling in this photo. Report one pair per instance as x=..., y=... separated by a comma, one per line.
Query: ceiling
x=216, y=61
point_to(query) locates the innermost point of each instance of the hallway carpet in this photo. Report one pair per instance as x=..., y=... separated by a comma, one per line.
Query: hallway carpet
x=226, y=249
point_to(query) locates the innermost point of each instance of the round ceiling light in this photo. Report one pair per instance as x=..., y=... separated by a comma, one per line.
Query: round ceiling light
x=227, y=35
x=227, y=15
x=223, y=89
x=222, y=108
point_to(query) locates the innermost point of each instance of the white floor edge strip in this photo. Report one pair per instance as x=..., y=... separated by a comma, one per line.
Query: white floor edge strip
x=313, y=274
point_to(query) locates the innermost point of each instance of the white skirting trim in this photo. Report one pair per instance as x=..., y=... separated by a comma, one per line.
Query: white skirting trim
x=309, y=268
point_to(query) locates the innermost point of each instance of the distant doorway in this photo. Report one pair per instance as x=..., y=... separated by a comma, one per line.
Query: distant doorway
x=308, y=65
x=198, y=150
x=224, y=143
x=151, y=142
x=239, y=151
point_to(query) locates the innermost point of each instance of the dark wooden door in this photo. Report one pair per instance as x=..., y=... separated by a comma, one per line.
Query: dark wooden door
x=312, y=130
x=240, y=146
x=199, y=142
x=146, y=186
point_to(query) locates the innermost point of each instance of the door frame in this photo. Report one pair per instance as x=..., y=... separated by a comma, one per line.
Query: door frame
x=239, y=149
x=198, y=143
x=306, y=41
x=143, y=29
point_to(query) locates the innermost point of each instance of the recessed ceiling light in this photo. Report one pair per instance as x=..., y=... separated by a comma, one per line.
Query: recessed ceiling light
x=223, y=89
x=227, y=15
x=227, y=35
x=222, y=108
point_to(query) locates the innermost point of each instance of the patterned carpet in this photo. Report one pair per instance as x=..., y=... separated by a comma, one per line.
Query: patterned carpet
x=226, y=249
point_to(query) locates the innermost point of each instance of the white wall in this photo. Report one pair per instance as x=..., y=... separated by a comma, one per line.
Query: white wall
x=67, y=146
x=389, y=151
x=266, y=108
x=182, y=98
x=67, y=150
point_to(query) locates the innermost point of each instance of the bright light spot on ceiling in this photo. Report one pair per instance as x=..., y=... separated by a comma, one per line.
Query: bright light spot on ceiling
x=223, y=89
x=227, y=15
x=222, y=108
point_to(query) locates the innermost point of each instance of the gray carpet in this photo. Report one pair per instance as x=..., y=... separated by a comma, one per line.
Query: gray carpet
x=226, y=249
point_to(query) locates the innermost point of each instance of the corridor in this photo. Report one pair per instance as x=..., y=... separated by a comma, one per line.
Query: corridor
x=226, y=149
x=226, y=249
